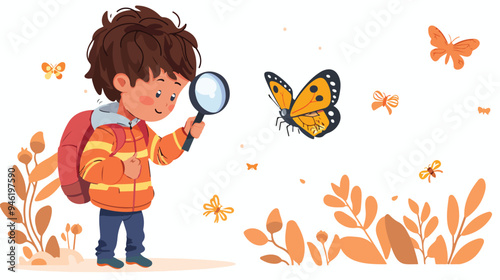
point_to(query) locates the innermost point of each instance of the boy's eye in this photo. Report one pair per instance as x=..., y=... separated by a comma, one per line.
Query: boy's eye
x=158, y=93
x=172, y=97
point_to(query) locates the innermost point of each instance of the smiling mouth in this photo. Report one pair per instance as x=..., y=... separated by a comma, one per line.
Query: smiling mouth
x=157, y=111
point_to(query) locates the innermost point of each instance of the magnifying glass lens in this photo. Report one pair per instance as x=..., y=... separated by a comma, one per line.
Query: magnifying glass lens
x=210, y=93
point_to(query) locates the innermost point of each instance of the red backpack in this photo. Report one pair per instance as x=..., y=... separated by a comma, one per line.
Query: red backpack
x=73, y=141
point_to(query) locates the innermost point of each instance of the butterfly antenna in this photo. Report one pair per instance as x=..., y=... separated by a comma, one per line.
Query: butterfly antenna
x=274, y=101
x=454, y=39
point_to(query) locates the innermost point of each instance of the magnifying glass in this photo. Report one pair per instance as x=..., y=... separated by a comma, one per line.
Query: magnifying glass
x=209, y=94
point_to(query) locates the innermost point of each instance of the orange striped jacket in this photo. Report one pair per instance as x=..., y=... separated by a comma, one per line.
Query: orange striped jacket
x=110, y=189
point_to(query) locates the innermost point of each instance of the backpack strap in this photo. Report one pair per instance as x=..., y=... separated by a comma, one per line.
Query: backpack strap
x=119, y=132
x=144, y=130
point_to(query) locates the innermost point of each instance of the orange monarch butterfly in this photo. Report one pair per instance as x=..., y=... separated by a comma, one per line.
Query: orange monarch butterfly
x=381, y=100
x=313, y=111
x=49, y=69
x=430, y=170
x=216, y=208
x=456, y=51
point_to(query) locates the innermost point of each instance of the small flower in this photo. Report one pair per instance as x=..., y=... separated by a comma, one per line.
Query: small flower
x=274, y=223
x=24, y=156
x=37, y=143
x=76, y=229
x=322, y=236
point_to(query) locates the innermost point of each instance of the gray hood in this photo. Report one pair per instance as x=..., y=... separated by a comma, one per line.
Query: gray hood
x=106, y=114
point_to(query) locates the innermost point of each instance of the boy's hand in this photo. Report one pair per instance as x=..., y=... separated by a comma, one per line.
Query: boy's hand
x=132, y=167
x=195, y=129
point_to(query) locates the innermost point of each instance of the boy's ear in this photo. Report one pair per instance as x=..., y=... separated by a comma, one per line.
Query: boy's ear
x=121, y=82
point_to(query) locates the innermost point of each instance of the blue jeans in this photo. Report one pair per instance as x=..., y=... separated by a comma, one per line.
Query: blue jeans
x=109, y=224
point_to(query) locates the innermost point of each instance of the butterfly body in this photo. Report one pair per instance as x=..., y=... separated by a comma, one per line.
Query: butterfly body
x=455, y=51
x=313, y=111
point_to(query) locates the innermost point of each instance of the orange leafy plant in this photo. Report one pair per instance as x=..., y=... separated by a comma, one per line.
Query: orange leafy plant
x=356, y=248
x=418, y=227
x=34, y=229
x=438, y=249
x=332, y=253
x=294, y=240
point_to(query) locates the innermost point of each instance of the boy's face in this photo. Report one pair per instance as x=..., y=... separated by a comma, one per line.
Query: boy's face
x=153, y=100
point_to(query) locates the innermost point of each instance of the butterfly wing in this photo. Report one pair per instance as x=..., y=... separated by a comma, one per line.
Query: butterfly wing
x=319, y=93
x=58, y=69
x=379, y=97
x=462, y=48
x=423, y=174
x=314, y=109
x=281, y=91
x=436, y=164
x=439, y=41
x=47, y=68
x=393, y=101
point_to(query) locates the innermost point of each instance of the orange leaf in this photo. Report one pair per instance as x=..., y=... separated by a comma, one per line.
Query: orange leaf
x=271, y=259
x=294, y=242
x=42, y=219
x=52, y=247
x=356, y=200
x=415, y=243
x=27, y=252
x=315, y=253
x=401, y=243
x=413, y=206
x=371, y=211
x=19, y=184
x=19, y=237
x=343, y=190
x=63, y=236
x=333, y=201
x=431, y=226
x=48, y=190
x=345, y=220
x=76, y=229
x=383, y=238
x=477, y=223
x=475, y=197
x=334, y=249
x=410, y=225
x=11, y=212
x=453, y=214
x=426, y=211
x=256, y=236
x=44, y=169
x=361, y=250
x=468, y=251
x=438, y=251
x=274, y=223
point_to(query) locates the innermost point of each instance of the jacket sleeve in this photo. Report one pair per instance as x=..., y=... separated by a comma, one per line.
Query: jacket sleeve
x=164, y=150
x=96, y=164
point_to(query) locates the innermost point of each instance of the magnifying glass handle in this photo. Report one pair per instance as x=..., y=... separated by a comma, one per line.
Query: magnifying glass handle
x=190, y=138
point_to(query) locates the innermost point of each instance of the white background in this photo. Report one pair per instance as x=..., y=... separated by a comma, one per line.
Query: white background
x=241, y=40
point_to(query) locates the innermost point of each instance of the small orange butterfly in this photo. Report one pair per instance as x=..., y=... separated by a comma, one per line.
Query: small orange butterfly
x=216, y=208
x=456, y=51
x=252, y=166
x=483, y=110
x=381, y=100
x=49, y=69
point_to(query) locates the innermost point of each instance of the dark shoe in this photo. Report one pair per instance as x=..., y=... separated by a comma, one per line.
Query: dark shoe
x=113, y=262
x=139, y=260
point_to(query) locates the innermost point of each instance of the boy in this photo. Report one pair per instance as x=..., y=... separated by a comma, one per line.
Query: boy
x=142, y=61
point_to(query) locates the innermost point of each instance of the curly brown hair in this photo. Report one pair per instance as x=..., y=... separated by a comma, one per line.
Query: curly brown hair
x=135, y=41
